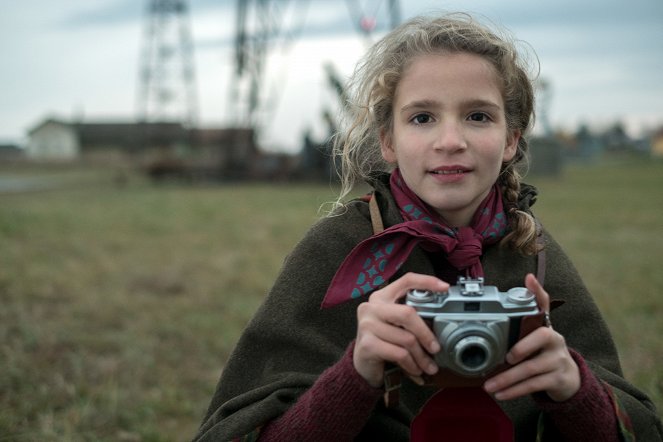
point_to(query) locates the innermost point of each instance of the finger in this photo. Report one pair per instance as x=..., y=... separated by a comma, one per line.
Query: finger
x=517, y=379
x=375, y=349
x=417, y=380
x=403, y=338
x=525, y=388
x=553, y=372
x=405, y=317
x=399, y=288
x=532, y=344
x=542, y=298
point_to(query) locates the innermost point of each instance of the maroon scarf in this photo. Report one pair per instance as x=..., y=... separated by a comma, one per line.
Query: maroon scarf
x=375, y=260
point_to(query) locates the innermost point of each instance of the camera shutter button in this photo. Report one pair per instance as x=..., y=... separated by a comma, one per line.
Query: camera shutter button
x=519, y=295
x=420, y=296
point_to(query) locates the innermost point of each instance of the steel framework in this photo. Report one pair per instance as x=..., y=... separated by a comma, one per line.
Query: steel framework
x=167, y=83
x=261, y=26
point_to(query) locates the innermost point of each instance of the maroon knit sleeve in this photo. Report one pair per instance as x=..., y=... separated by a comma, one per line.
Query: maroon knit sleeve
x=334, y=409
x=589, y=414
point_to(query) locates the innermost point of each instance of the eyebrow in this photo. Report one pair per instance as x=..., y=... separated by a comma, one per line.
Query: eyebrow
x=420, y=104
x=473, y=103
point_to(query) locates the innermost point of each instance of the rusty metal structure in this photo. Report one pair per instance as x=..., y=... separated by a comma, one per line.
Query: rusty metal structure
x=167, y=82
x=167, y=87
x=261, y=26
x=266, y=25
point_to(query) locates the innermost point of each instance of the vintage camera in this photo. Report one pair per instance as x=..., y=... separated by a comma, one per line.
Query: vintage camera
x=475, y=324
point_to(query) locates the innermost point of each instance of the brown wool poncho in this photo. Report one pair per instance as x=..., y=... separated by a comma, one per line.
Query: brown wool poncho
x=291, y=340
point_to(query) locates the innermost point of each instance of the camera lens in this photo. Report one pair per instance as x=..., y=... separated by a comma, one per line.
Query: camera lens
x=473, y=356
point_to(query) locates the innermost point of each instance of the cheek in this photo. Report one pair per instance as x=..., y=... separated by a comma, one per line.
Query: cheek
x=492, y=160
x=495, y=151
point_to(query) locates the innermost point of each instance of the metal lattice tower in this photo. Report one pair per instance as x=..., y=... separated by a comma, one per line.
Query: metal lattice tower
x=167, y=86
x=261, y=25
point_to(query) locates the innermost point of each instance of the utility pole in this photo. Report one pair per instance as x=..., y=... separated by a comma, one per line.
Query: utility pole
x=167, y=84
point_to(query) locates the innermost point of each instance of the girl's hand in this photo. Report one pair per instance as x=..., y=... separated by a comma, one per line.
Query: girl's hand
x=541, y=361
x=389, y=331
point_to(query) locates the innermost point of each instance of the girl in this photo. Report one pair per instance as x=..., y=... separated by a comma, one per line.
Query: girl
x=438, y=116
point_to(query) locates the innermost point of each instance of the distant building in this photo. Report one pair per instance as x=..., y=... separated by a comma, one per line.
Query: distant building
x=229, y=153
x=10, y=152
x=169, y=150
x=161, y=149
x=58, y=140
x=53, y=140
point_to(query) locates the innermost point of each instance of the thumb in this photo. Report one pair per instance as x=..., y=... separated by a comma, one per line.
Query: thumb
x=542, y=298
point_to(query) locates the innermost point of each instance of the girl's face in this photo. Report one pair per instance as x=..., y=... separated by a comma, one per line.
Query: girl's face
x=449, y=135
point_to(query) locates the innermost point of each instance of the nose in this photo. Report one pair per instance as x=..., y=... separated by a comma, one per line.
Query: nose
x=450, y=137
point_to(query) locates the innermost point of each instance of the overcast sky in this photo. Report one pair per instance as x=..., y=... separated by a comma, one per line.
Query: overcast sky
x=76, y=59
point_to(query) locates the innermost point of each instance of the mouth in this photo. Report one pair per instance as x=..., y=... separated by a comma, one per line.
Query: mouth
x=450, y=170
x=453, y=174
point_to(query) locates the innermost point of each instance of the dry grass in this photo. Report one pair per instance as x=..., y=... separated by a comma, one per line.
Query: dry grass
x=121, y=304
x=609, y=218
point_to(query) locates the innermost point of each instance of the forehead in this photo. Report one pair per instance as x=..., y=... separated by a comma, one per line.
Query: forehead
x=449, y=72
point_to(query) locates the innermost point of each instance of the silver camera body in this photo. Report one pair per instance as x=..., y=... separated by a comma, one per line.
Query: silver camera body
x=475, y=324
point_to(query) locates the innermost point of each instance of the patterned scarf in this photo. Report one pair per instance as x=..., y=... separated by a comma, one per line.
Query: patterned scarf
x=375, y=260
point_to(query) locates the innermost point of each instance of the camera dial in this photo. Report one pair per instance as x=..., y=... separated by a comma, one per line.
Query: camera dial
x=519, y=295
x=420, y=296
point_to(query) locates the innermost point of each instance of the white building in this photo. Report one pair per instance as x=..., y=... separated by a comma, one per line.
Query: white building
x=53, y=140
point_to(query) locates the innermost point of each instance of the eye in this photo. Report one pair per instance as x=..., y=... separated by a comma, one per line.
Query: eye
x=479, y=117
x=421, y=119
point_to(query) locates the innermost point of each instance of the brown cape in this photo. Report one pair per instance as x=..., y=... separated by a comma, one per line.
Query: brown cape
x=290, y=340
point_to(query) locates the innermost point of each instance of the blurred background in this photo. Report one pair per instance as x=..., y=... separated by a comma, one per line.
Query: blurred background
x=159, y=158
x=276, y=67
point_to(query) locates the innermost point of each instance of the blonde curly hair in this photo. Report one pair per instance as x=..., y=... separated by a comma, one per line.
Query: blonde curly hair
x=371, y=92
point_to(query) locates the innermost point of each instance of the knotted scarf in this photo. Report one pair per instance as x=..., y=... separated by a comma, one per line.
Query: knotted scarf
x=375, y=260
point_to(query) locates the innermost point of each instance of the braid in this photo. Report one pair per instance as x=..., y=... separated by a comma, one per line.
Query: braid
x=523, y=232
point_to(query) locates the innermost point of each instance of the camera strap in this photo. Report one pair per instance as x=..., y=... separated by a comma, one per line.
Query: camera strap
x=376, y=216
x=541, y=255
x=393, y=375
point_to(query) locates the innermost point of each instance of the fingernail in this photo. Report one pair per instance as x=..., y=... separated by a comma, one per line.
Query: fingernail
x=489, y=386
x=434, y=346
x=432, y=368
x=417, y=380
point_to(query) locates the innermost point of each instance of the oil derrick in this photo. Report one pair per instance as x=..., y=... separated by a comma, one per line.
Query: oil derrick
x=167, y=90
x=260, y=27
x=368, y=17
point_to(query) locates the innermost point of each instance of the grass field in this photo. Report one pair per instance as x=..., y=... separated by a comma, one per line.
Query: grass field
x=120, y=303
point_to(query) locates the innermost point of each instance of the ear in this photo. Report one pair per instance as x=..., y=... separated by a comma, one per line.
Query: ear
x=511, y=147
x=386, y=146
